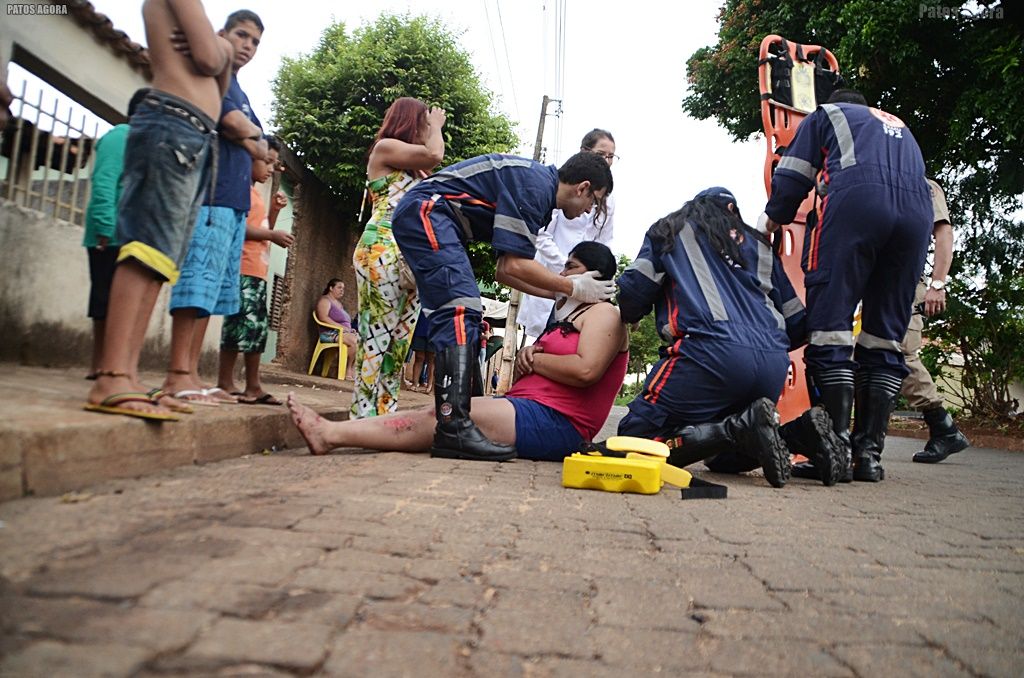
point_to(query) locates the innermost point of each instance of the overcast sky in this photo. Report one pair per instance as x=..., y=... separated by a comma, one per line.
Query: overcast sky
x=624, y=71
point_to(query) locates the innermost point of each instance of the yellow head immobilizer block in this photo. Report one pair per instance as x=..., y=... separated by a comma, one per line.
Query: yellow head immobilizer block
x=640, y=467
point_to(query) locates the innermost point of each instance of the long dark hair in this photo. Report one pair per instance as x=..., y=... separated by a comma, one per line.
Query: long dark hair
x=596, y=256
x=716, y=222
x=331, y=283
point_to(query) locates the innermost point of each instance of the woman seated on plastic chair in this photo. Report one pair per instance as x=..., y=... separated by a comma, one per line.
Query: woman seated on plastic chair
x=565, y=386
x=329, y=311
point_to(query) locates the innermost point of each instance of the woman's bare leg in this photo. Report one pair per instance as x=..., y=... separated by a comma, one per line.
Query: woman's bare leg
x=417, y=370
x=411, y=431
x=429, y=359
x=352, y=342
x=496, y=419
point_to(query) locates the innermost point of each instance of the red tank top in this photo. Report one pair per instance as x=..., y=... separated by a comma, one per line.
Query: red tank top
x=587, y=407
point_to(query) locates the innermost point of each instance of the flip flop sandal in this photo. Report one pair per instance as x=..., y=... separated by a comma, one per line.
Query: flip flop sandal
x=157, y=394
x=111, y=405
x=265, y=399
x=193, y=396
x=226, y=398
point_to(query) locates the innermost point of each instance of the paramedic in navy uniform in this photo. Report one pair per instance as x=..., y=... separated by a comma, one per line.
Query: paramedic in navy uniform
x=503, y=200
x=729, y=317
x=874, y=220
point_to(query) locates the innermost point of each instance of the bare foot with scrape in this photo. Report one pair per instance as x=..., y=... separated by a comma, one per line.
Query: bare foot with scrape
x=311, y=425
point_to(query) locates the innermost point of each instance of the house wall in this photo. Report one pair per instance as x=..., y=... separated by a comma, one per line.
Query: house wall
x=72, y=59
x=324, y=243
x=44, y=296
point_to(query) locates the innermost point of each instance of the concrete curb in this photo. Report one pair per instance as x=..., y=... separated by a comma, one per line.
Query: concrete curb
x=51, y=445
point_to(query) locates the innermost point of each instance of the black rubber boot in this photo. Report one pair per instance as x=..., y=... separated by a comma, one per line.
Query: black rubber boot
x=945, y=438
x=833, y=390
x=456, y=436
x=712, y=444
x=811, y=435
x=876, y=397
x=754, y=432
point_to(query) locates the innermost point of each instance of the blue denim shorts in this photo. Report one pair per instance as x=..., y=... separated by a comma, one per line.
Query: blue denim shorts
x=543, y=434
x=167, y=167
x=210, y=273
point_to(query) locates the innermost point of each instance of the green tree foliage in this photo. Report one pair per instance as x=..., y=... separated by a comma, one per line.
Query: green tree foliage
x=954, y=72
x=984, y=326
x=330, y=102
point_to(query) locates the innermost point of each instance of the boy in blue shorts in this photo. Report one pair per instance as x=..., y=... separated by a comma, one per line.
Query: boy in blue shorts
x=209, y=283
x=167, y=166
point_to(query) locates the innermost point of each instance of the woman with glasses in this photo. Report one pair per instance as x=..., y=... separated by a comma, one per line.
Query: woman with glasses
x=562, y=234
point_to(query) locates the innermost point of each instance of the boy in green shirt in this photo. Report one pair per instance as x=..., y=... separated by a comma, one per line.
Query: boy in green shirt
x=101, y=242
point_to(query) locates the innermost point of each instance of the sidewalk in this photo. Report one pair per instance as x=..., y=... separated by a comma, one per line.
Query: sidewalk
x=390, y=564
x=50, y=445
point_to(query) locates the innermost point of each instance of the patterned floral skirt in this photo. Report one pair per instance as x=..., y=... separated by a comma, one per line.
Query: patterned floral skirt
x=386, y=319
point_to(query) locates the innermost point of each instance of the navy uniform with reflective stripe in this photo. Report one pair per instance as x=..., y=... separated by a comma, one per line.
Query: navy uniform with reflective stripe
x=500, y=199
x=728, y=328
x=872, y=231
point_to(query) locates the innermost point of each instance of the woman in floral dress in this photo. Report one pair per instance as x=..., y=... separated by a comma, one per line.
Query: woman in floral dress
x=408, y=145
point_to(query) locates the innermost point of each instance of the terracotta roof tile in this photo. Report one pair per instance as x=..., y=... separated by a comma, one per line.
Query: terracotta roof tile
x=103, y=29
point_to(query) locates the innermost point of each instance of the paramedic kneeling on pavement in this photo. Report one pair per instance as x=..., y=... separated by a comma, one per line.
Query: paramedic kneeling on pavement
x=729, y=315
x=503, y=200
x=867, y=243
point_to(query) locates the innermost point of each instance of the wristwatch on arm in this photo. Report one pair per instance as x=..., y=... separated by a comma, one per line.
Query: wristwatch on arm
x=937, y=285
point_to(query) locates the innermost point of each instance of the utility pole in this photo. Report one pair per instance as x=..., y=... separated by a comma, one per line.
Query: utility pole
x=508, y=349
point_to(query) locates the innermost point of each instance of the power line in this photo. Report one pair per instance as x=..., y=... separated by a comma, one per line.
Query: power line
x=508, y=62
x=560, y=32
x=490, y=38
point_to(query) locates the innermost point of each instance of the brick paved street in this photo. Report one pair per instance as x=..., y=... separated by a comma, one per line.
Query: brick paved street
x=400, y=565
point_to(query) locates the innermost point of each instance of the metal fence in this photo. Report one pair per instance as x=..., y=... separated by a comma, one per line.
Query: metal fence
x=49, y=156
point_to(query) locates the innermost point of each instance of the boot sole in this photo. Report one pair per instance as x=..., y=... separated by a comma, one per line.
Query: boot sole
x=775, y=457
x=441, y=453
x=830, y=450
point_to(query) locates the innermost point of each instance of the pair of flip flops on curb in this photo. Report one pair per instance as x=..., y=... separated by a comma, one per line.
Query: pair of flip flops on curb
x=193, y=396
x=241, y=399
x=112, y=405
x=265, y=399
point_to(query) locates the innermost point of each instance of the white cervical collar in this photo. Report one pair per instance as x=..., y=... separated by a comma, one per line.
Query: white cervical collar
x=567, y=308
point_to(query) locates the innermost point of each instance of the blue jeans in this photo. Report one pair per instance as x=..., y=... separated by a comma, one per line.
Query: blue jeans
x=167, y=166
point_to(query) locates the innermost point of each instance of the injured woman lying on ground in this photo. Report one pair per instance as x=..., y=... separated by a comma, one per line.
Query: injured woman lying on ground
x=565, y=386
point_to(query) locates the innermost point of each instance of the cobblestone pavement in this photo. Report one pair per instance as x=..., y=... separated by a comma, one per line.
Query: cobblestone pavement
x=401, y=565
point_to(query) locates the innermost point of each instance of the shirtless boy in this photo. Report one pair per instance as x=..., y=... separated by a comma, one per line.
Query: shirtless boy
x=167, y=167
